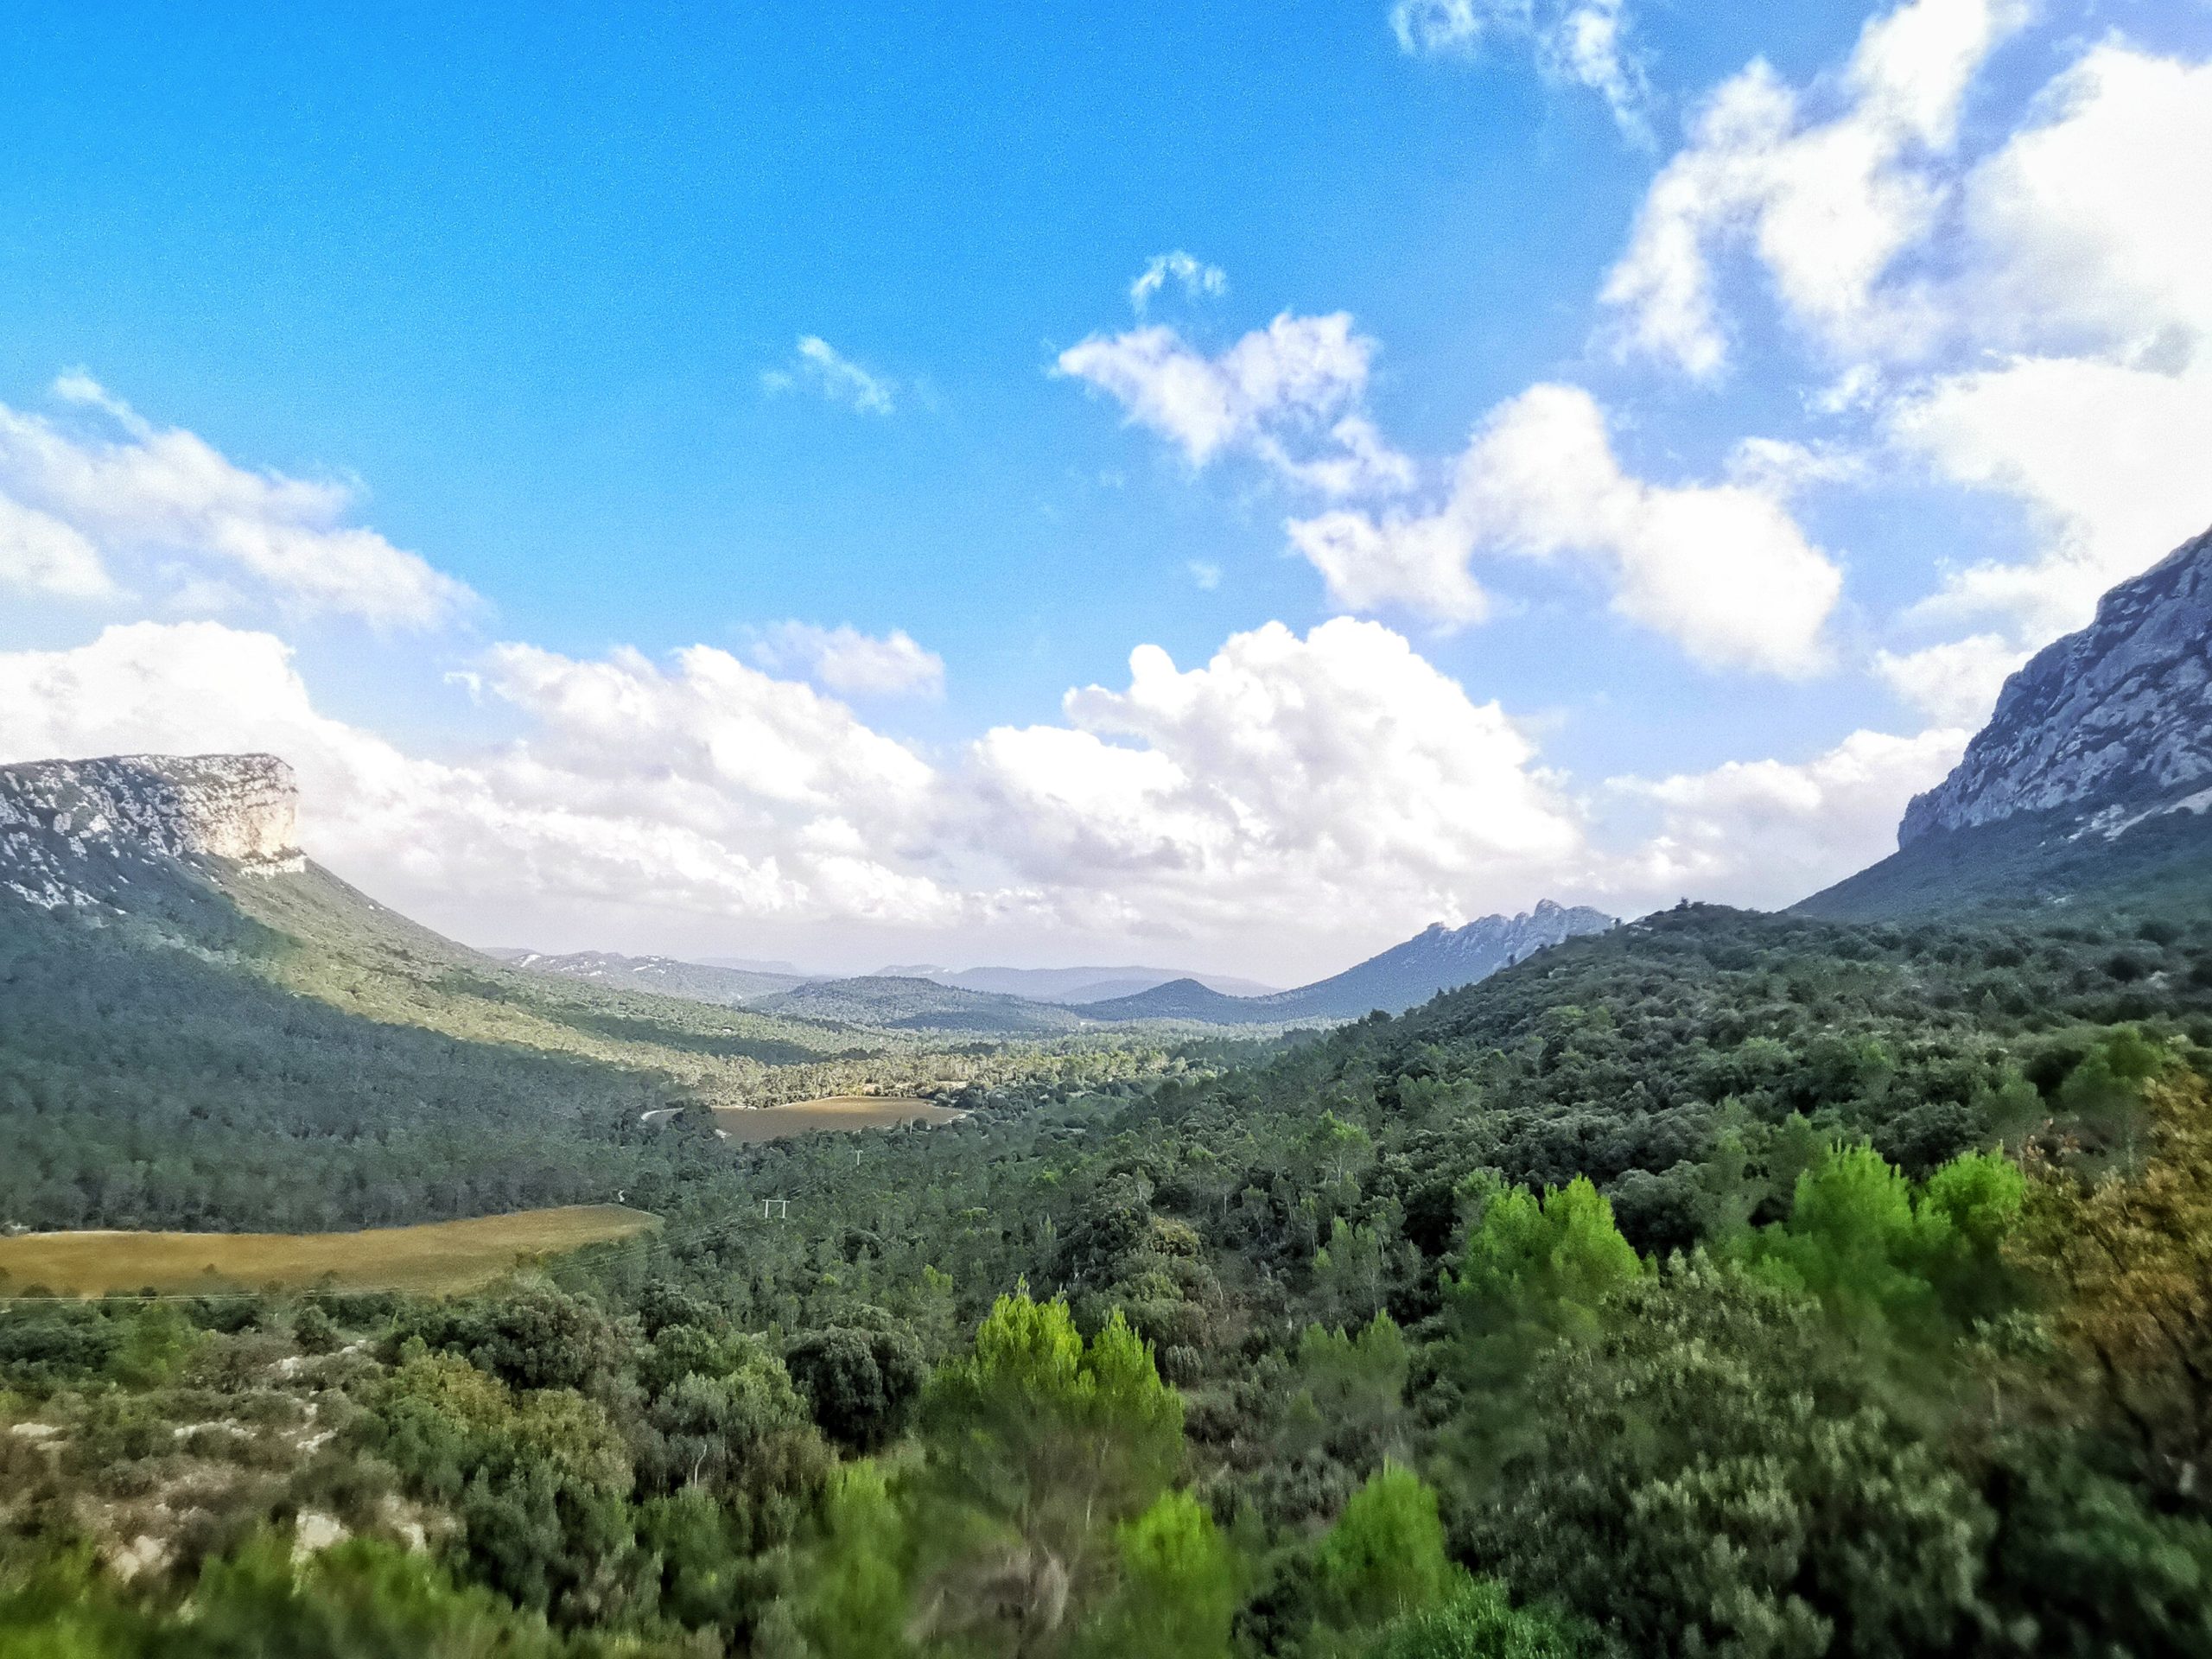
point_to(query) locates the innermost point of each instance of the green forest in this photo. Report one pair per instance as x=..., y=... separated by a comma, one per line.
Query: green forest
x=1725, y=1284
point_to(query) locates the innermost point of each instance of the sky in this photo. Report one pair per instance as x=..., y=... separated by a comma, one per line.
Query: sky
x=1220, y=486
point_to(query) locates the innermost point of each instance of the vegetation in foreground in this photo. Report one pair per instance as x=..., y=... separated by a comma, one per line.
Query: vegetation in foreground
x=1731, y=1285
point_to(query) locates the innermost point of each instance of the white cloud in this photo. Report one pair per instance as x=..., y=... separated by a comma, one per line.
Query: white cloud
x=1721, y=569
x=2091, y=224
x=644, y=791
x=1290, y=800
x=1197, y=278
x=177, y=518
x=858, y=665
x=2092, y=248
x=1767, y=833
x=2110, y=459
x=1339, y=777
x=1826, y=206
x=1955, y=683
x=40, y=554
x=1576, y=43
x=835, y=376
x=1207, y=576
x=1274, y=394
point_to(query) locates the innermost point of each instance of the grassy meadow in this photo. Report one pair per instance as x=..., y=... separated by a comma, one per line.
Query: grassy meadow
x=433, y=1259
x=830, y=1112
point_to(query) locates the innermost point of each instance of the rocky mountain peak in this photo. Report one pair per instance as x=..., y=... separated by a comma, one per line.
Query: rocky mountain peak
x=55, y=813
x=2108, y=725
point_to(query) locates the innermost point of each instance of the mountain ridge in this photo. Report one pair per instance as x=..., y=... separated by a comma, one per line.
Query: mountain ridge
x=1439, y=958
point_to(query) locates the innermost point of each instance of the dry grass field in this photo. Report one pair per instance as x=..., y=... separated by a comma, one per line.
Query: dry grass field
x=830, y=1112
x=440, y=1258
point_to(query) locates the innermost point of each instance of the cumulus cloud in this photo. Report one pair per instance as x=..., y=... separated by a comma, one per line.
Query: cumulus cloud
x=1826, y=203
x=2109, y=458
x=1721, y=569
x=1339, y=774
x=858, y=665
x=40, y=554
x=835, y=376
x=2093, y=254
x=1954, y=683
x=703, y=785
x=1575, y=43
x=1288, y=394
x=1309, y=797
x=82, y=512
x=1767, y=833
x=1196, y=277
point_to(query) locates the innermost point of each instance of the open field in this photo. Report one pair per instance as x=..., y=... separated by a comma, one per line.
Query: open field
x=830, y=1112
x=446, y=1256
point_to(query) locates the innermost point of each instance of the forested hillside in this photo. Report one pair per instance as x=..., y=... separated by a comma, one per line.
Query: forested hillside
x=1725, y=1283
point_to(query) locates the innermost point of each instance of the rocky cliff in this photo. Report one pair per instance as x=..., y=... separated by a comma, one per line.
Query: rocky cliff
x=2105, y=726
x=57, y=816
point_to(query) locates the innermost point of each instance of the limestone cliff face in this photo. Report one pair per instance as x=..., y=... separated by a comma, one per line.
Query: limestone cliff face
x=2108, y=725
x=55, y=815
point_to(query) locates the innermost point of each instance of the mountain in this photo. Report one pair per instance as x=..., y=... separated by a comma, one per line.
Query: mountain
x=1073, y=985
x=895, y=1003
x=664, y=975
x=2093, y=771
x=1439, y=958
x=199, y=855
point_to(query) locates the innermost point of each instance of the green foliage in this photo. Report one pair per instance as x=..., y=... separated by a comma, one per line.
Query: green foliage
x=1385, y=1557
x=1874, y=1250
x=1179, y=1586
x=1481, y=1622
x=1547, y=1262
x=1715, y=1475
x=862, y=1385
x=856, y=1599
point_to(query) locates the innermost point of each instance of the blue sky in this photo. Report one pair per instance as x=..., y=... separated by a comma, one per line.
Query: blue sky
x=528, y=304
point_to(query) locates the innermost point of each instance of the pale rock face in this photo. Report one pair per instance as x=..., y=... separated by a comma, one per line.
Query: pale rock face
x=56, y=814
x=2111, y=724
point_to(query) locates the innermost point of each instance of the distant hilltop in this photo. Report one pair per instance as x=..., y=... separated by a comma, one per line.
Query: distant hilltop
x=1440, y=958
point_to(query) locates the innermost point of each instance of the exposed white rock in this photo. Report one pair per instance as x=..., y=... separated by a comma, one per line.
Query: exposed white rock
x=2110, y=725
x=316, y=1532
x=144, y=1553
x=67, y=826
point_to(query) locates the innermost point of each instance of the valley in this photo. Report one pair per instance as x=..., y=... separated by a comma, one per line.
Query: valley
x=1379, y=1302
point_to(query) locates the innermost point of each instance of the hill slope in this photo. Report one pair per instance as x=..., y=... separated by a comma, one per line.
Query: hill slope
x=1074, y=985
x=893, y=1003
x=184, y=996
x=1438, y=959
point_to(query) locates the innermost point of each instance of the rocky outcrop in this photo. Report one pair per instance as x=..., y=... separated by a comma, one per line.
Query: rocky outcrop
x=57, y=815
x=2105, y=726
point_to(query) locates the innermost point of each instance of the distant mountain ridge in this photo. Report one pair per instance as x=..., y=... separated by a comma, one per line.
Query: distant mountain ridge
x=1073, y=985
x=1439, y=958
x=2095, y=770
x=696, y=982
x=893, y=1003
